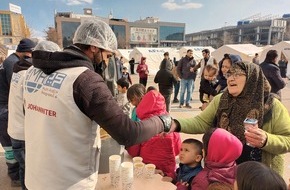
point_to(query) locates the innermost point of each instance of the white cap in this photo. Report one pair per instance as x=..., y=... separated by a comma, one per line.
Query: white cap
x=47, y=46
x=96, y=33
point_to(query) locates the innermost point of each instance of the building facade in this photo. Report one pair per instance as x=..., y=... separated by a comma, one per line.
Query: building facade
x=13, y=28
x=257, y=32
x=149, y=32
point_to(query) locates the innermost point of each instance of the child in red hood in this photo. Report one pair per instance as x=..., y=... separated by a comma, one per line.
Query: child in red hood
x=159, y=150
x=221, y=151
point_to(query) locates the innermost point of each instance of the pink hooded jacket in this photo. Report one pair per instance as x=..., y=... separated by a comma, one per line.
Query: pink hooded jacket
x=223, y=149
x=158, y=150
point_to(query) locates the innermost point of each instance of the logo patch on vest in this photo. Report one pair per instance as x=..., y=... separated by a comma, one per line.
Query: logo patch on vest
x=37, y=79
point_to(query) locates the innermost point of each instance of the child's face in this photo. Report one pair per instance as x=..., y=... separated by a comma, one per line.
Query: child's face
x=189, y=155
x=135, y=101
x=121, y=90
x=209, y=75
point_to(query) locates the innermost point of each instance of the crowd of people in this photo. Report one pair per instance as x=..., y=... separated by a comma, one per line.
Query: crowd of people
x=54, y=102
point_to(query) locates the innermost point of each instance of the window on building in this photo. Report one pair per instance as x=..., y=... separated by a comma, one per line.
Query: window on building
x=120, y=32
x=68, y=30
x=172, y=33
x=7, y=41
x=6, y=25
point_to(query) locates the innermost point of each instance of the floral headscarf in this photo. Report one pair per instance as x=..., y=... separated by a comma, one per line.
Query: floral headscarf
x=253, y=102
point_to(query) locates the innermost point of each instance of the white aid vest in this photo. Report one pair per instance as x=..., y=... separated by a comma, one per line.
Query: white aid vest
x=15, y=107
x=202, y=65
x=62, y=143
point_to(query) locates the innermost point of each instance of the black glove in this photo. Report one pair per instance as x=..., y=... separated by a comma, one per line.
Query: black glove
x=166, y=120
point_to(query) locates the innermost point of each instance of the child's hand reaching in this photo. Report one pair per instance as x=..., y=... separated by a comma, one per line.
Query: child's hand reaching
x=167, y=179
x=181, y=185
x=159, y=172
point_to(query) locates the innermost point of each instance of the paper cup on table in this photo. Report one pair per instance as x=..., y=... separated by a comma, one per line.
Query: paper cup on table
x=127, y=175
x=137, y=159
x=149, y=170
x=114, y=167
x=138, y=169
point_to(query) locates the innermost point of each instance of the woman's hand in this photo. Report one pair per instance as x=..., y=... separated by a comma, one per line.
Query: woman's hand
x=255, y=136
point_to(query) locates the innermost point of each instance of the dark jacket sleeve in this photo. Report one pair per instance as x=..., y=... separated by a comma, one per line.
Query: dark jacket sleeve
x=277, y=79
x=156, y=78
x=94, y=99
x=179, y=68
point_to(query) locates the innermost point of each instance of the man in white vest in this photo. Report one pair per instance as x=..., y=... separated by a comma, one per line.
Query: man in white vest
x=15, y=107
x=206, y=60
x=66, y=102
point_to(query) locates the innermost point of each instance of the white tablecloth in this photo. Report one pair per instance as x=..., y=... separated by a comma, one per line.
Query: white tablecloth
x=154, y=183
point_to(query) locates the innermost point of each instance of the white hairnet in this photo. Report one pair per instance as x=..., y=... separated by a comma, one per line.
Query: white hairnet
x=47, y=46
x=96, y=33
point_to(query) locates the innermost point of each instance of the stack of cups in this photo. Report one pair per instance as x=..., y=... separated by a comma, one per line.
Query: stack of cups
x=114, y=167
x=127, y=175
x=149, y=170
x=138, y=166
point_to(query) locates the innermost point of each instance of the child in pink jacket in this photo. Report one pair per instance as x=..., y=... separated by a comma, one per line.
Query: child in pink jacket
x=159, y=150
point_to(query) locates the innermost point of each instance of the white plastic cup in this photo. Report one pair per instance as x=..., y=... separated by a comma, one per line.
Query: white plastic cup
x=137, y=159
x=114, y=167
x=127, y=175
x=149, y=170
x=138, y=169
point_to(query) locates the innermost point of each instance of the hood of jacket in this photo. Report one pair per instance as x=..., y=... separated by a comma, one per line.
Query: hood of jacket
x=22, y=64
x=166, y=64
x=49, y=62
x=223, y=150
x=152, y=104
x=223, y=147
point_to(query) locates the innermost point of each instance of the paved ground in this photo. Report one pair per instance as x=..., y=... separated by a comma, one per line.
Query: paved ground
x=176, y=113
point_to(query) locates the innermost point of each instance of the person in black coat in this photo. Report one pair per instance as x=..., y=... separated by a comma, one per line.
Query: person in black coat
x=132, y=62
x=272, y=72
x=165, y=80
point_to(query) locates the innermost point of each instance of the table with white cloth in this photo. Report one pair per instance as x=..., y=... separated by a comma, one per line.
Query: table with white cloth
x=142, y=183
x=138, y=184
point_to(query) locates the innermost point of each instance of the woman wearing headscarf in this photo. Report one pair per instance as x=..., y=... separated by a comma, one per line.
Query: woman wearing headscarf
x=247, y=96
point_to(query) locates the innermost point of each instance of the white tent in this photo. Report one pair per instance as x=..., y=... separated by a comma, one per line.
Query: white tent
x=154, y=56
x=246, y=51
x=124, y=53
x=283, y=46
x=197, y=51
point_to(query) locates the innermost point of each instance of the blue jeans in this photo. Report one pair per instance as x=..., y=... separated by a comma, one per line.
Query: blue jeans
x=185, y=84
x=18, y=147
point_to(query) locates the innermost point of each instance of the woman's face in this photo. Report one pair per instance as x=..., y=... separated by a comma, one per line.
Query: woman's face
x=236, y=83
x=226, y=65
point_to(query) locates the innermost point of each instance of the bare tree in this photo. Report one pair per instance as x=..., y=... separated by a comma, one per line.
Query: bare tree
x=121, y=43
x=51, y=34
